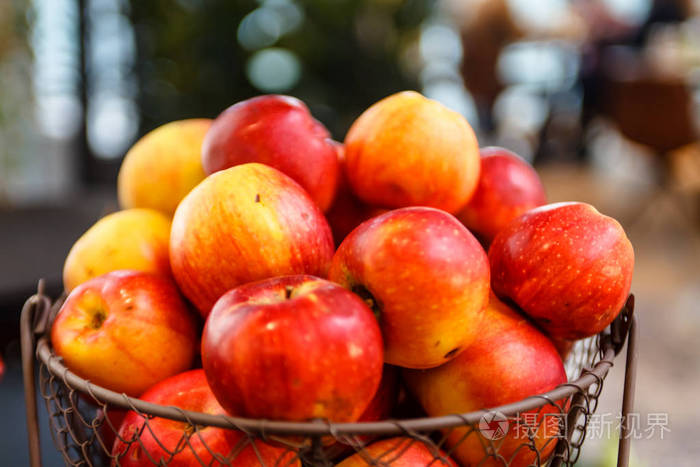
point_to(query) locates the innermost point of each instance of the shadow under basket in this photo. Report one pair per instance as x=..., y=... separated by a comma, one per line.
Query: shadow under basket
x=545, y=429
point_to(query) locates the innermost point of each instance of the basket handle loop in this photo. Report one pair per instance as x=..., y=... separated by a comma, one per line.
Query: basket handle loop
x=33, y=321
x=623, y=450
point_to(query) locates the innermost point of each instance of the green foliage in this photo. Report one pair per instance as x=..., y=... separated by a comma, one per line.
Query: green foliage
x=191, y=63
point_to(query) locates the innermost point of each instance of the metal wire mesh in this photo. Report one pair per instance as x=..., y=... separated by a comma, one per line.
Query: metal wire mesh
x=547, y=429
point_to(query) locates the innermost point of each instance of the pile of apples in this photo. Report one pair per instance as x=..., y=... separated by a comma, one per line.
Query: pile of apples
x=224, y=251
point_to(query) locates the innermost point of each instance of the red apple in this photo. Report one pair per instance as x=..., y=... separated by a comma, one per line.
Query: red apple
x=564, y=347
x=508, y=186
x=347, y=211
x=406, y=150
x=426, y=277
x=162, y=440
x=110, y=420
x=243, y=224
x=382, y=404
x=278, y=131
x=379, y=408
x=509, y=361
x=125, y=330
x=293, y=348
x=566, y=265
x=399, y=452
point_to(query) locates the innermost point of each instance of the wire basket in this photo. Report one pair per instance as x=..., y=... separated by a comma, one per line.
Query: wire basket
x=546, y=429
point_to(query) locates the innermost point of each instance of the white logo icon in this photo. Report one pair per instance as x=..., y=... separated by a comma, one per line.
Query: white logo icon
x=493, y=425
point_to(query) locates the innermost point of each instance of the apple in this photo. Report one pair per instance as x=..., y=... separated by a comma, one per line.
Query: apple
x=131, y=239
x=278, y=131
x=109, y=421
x=566, y=265
x=347, y=211
x=125, y=331
x=243, y=224
x=564, y=347
x=508, y=186
x=162, y=440
x=509, y=361
x=292, y=348
x=425, y=276
x=406, y=150
x=399, y=452
x=163, y=166
x=382, y=404
x=379, y=408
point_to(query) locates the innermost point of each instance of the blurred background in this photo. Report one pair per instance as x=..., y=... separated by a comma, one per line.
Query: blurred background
x=602, y=96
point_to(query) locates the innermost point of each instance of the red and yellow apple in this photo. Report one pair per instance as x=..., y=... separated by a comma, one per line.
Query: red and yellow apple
x=163, y=166
x=508, y=186
x=425, y=276
x=399, y=452
x=125, y=331
x=243, y=224
x=407, y=150
x=566, y=265
x=132, y=239
x=162, y=441
x=293, y=348
x=509, y=361
x=278, y=131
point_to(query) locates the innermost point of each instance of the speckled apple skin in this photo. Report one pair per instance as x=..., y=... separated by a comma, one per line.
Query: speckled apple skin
x=508, y=187
x=407, y=150
x=566, y=265
x=278, y=131
x=163, y=437
x=293, y=348
x=125, y=331
x=243, y=224
x=429, y=278
x=509, y=361
x=399, y=452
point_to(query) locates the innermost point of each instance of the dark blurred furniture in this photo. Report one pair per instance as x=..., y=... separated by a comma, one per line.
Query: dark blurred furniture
x=653, y=108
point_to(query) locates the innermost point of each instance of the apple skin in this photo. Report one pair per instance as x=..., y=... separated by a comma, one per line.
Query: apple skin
x=510, y=360
x=293, y=348
x=163, y=166
x=278, y=131
x=125, y=330
x=243, y=224
x=508, y=187
x=111, y=420
x=347, y=211
x=427, y=278
x=399, y=452
x=382, y=404
x=131, y=239
x=564, y=347
x=189, y=391
x=380, y=408
x=406, y=150
x=566, y=265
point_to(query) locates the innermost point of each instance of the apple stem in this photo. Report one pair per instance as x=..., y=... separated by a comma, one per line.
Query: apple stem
x=368, y=298
x=98, y=317
x=288, y=292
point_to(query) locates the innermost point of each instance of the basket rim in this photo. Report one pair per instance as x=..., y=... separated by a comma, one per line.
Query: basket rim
x=610, y=343
x=262, y=427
